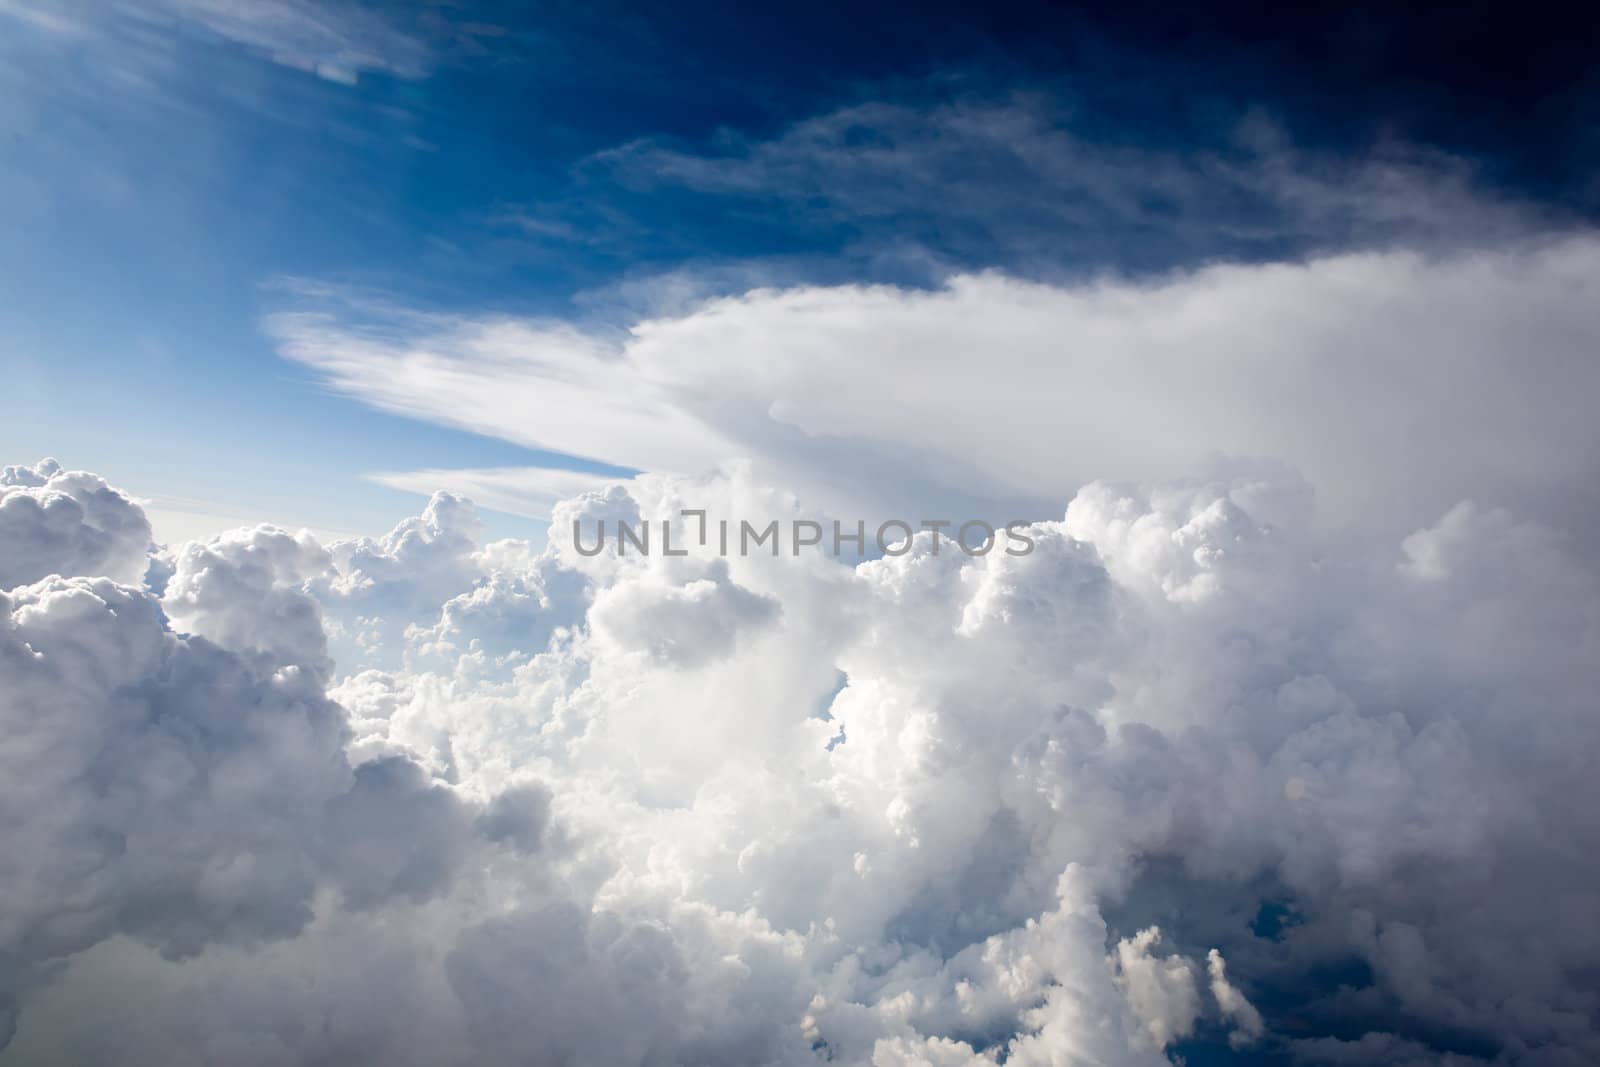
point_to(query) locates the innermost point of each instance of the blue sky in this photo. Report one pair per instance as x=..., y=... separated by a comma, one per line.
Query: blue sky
x=176, y=172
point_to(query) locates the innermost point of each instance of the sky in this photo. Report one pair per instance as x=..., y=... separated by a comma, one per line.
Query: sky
x=181, y=175
x=335, y=333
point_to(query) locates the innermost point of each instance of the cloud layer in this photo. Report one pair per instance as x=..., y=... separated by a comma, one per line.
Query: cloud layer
x=1382, y=377
x=1195, y=774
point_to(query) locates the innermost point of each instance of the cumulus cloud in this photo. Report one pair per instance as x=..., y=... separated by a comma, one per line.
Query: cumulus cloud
x=1235, y=1007
x=68, y=523
x=680, y=623
x=1160, y=990
x=190, y=788
x=242, y=591
x=157, y=787
x=924, y=809
x=378, y=587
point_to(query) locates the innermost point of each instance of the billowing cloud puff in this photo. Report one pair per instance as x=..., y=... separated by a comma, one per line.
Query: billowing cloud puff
x=155, y=787
x=1161, y=991
x=1194, y=776
x=379, y=587
x=69, y=523
x=685, y=623
x=242, y=590
x=1233, y=1004
x=164, y=788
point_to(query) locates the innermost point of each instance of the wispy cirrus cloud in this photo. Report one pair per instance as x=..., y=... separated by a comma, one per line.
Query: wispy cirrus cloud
x=334, y=41
x=50, y=18
x=338, y=41
x=1030, y=182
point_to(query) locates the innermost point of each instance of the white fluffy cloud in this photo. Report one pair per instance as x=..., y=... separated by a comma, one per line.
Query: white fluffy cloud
x=423, y=799
x=69, y=523
x=241, y=590
x=1160, y=990
x=1234, y=1005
